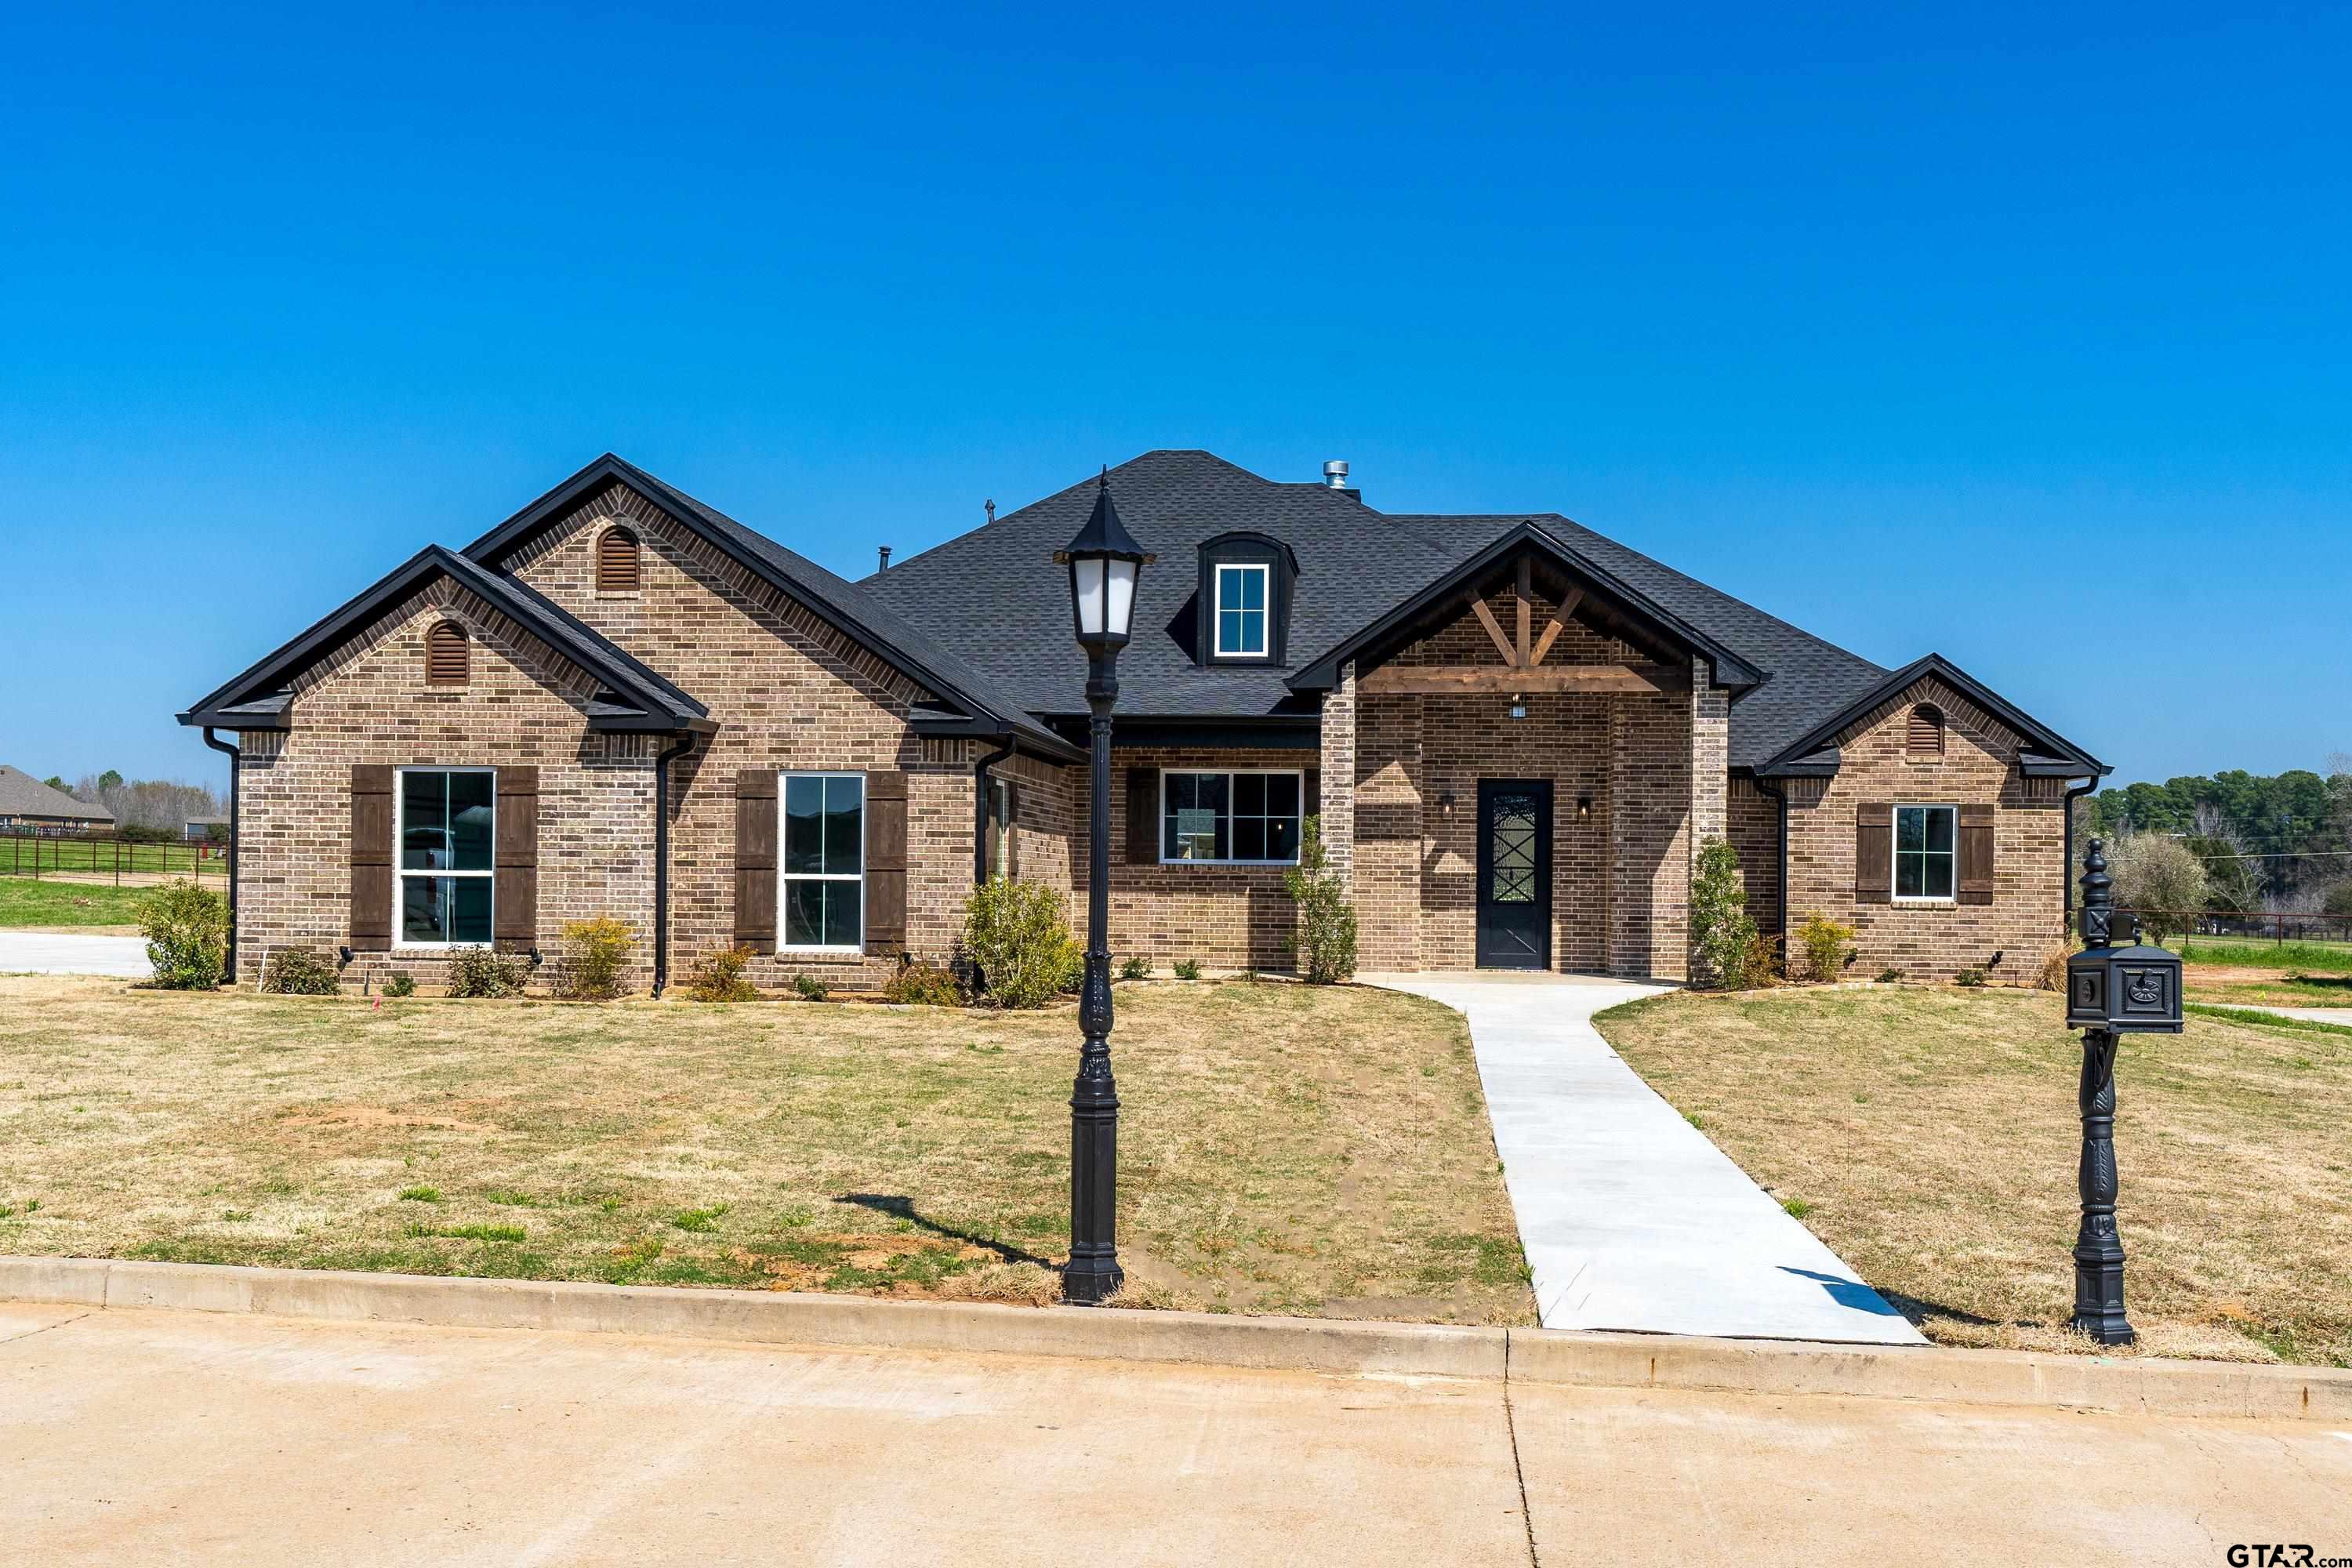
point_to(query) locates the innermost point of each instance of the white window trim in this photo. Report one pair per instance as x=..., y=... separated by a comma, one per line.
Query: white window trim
x=400, y=874
x=785, y=878
x=1160, y=822
x=1217, y=617
x=1894, y=856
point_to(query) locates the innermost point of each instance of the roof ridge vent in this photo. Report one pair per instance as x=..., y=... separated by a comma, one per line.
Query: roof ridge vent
x=1335, y=478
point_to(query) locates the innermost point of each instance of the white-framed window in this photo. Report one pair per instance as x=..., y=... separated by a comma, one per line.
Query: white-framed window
x=1927, y=853
x=446, y=828
x=1235, y=818
x=1241, y=594
x=820, y=883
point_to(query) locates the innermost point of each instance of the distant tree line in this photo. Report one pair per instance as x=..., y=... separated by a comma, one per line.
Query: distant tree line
x=2276, y=843
x=145, y=808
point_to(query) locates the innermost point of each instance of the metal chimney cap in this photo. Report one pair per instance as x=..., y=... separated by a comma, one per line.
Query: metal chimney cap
x=1335, y=474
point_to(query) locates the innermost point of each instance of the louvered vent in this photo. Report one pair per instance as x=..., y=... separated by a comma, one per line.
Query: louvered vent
x=445, y=655
x=1927, y=731
x=617, y=562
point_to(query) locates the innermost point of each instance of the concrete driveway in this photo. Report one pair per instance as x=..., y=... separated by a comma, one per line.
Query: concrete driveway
x=195, y=1438
x=49, y=953
x=1631, y=1218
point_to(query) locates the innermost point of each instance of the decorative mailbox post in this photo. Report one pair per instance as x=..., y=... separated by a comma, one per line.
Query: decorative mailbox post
x=2110, y=991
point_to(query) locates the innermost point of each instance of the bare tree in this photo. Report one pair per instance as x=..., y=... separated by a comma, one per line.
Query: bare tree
x=150, y=806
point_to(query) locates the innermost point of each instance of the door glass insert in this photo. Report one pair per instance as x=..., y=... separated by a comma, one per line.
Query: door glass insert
x=1511, y=831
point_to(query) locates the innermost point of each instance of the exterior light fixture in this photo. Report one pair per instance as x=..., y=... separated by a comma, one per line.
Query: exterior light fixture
x=1445, y=802
x=1584, y=805
x=1518, y=706
x=1104, y=562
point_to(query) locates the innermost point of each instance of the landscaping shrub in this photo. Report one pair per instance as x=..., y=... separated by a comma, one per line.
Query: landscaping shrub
x=810, y=988
x=299, y=971
x=1890, y=977
x=2053, y=975
x=186, y=928
x=1972, y=977
x=921, y=984
x=480, y=971
x=1188, y=969
x=1826, y=944
x=400, y=982
x=1136, y=968
x=1326, y=943
x=1722, y=931
x=1018, y=936
x=719, y=977
x=594, y=953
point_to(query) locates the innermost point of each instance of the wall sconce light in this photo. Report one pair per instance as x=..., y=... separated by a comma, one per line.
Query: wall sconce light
x=1584, y=805
x=1445, y=802
x=1518, y=706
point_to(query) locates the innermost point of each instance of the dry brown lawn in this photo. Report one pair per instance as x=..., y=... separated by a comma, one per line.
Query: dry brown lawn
x=1284, y=1148
x=1929, y=1137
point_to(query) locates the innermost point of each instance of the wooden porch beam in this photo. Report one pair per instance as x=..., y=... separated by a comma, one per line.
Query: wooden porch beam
x=1495, y=629
x=1523, y=594
x=1450, y=680
x=1559, y=625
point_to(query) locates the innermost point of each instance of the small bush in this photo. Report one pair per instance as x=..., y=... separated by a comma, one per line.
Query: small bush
x=719, y=977
x=1759, y=966
x=186, y=928
x=1970, y=977
x=1890, y=976
x=919, y=984
x=810, y=988
x=1326, y=943
x=1136, y=968
x=480, y=971
x=1826, y=944
x=1018, y=935
x=400, y=982
x=299, y=971
x=1188, y=969
x=2052, y=974
x=594, y=953
x=1722, y=931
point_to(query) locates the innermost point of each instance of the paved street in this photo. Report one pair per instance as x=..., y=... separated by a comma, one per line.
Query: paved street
x=54, y=952
x=1632, y=1219
x=135, y=1436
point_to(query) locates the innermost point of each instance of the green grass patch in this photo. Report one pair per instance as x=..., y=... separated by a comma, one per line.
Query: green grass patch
x=420, y=1194
x=2221, y=953
x=469, y=1231
x=26, y=903
x=700, y=1220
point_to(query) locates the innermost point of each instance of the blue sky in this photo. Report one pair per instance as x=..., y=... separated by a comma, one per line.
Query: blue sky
x=1926, y=332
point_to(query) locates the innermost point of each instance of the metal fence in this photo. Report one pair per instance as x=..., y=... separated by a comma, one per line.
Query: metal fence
x=2256, y=925
x=84, y=856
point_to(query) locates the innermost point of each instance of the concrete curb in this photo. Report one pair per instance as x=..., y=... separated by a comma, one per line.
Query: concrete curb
x=2131, y=1385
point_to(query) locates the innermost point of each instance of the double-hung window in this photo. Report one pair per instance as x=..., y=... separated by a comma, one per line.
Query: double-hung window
x=1242, y=592
x=1238, y=818
x=822, y=883
x=1926, y=853
x=446, y=832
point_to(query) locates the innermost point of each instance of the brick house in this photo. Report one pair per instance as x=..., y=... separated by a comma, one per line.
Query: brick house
x=1517, y=735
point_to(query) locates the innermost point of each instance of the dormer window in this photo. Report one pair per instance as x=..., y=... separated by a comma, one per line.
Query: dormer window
x=1243, y=604
x=1242, y=600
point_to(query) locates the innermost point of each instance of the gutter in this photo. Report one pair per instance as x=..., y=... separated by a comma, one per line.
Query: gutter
x=2066, y=871
x=236, y=855
x=661, y=858
x=980, y=771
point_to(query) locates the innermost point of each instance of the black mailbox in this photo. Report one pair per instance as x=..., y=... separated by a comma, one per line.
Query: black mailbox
x=2132, y=990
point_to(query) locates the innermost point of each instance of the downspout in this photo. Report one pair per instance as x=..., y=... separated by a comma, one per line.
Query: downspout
x=2066, y=872
x=235, y=856
x=979, y=808
x=661, y=860
x=1773, y=788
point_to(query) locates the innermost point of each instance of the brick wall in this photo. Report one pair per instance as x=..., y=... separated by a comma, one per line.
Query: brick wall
x=1753, y=829
x=2008, y=936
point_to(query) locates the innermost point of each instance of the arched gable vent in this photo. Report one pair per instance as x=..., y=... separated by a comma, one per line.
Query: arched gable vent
x=1926, y=732
x=446, y=655
x=617, y=562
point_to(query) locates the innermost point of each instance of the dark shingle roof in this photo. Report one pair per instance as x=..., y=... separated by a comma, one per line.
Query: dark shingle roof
x=21, y=794
x=987, y=594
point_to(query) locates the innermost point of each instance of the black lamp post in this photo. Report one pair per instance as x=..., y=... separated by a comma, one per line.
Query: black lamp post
x=1104, y=562
x=2110, y=991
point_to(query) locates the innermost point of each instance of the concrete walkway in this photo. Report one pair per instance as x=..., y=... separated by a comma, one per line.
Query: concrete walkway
x=1631, y=1218
x=204, y=1439
x=48, y=952
x=2314, y=1015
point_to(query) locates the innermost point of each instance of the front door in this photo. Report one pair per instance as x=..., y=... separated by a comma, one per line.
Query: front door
x=1514, y=874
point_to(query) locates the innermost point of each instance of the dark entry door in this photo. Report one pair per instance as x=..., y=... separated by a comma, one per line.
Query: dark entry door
x=1514, y=874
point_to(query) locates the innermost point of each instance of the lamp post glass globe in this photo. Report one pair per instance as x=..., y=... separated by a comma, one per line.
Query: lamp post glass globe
x=1102, y=598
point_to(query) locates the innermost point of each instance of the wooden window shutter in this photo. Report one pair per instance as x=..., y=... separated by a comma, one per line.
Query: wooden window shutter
x=1143, y=817
x=370, y=859
x=1013, y=828
x=886, y=863
x=515, y=856
x=1976, y=854
x=755, y=859
x=445, y=655
x=1873, y=854
x=1926, y=732
x=617, y=562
